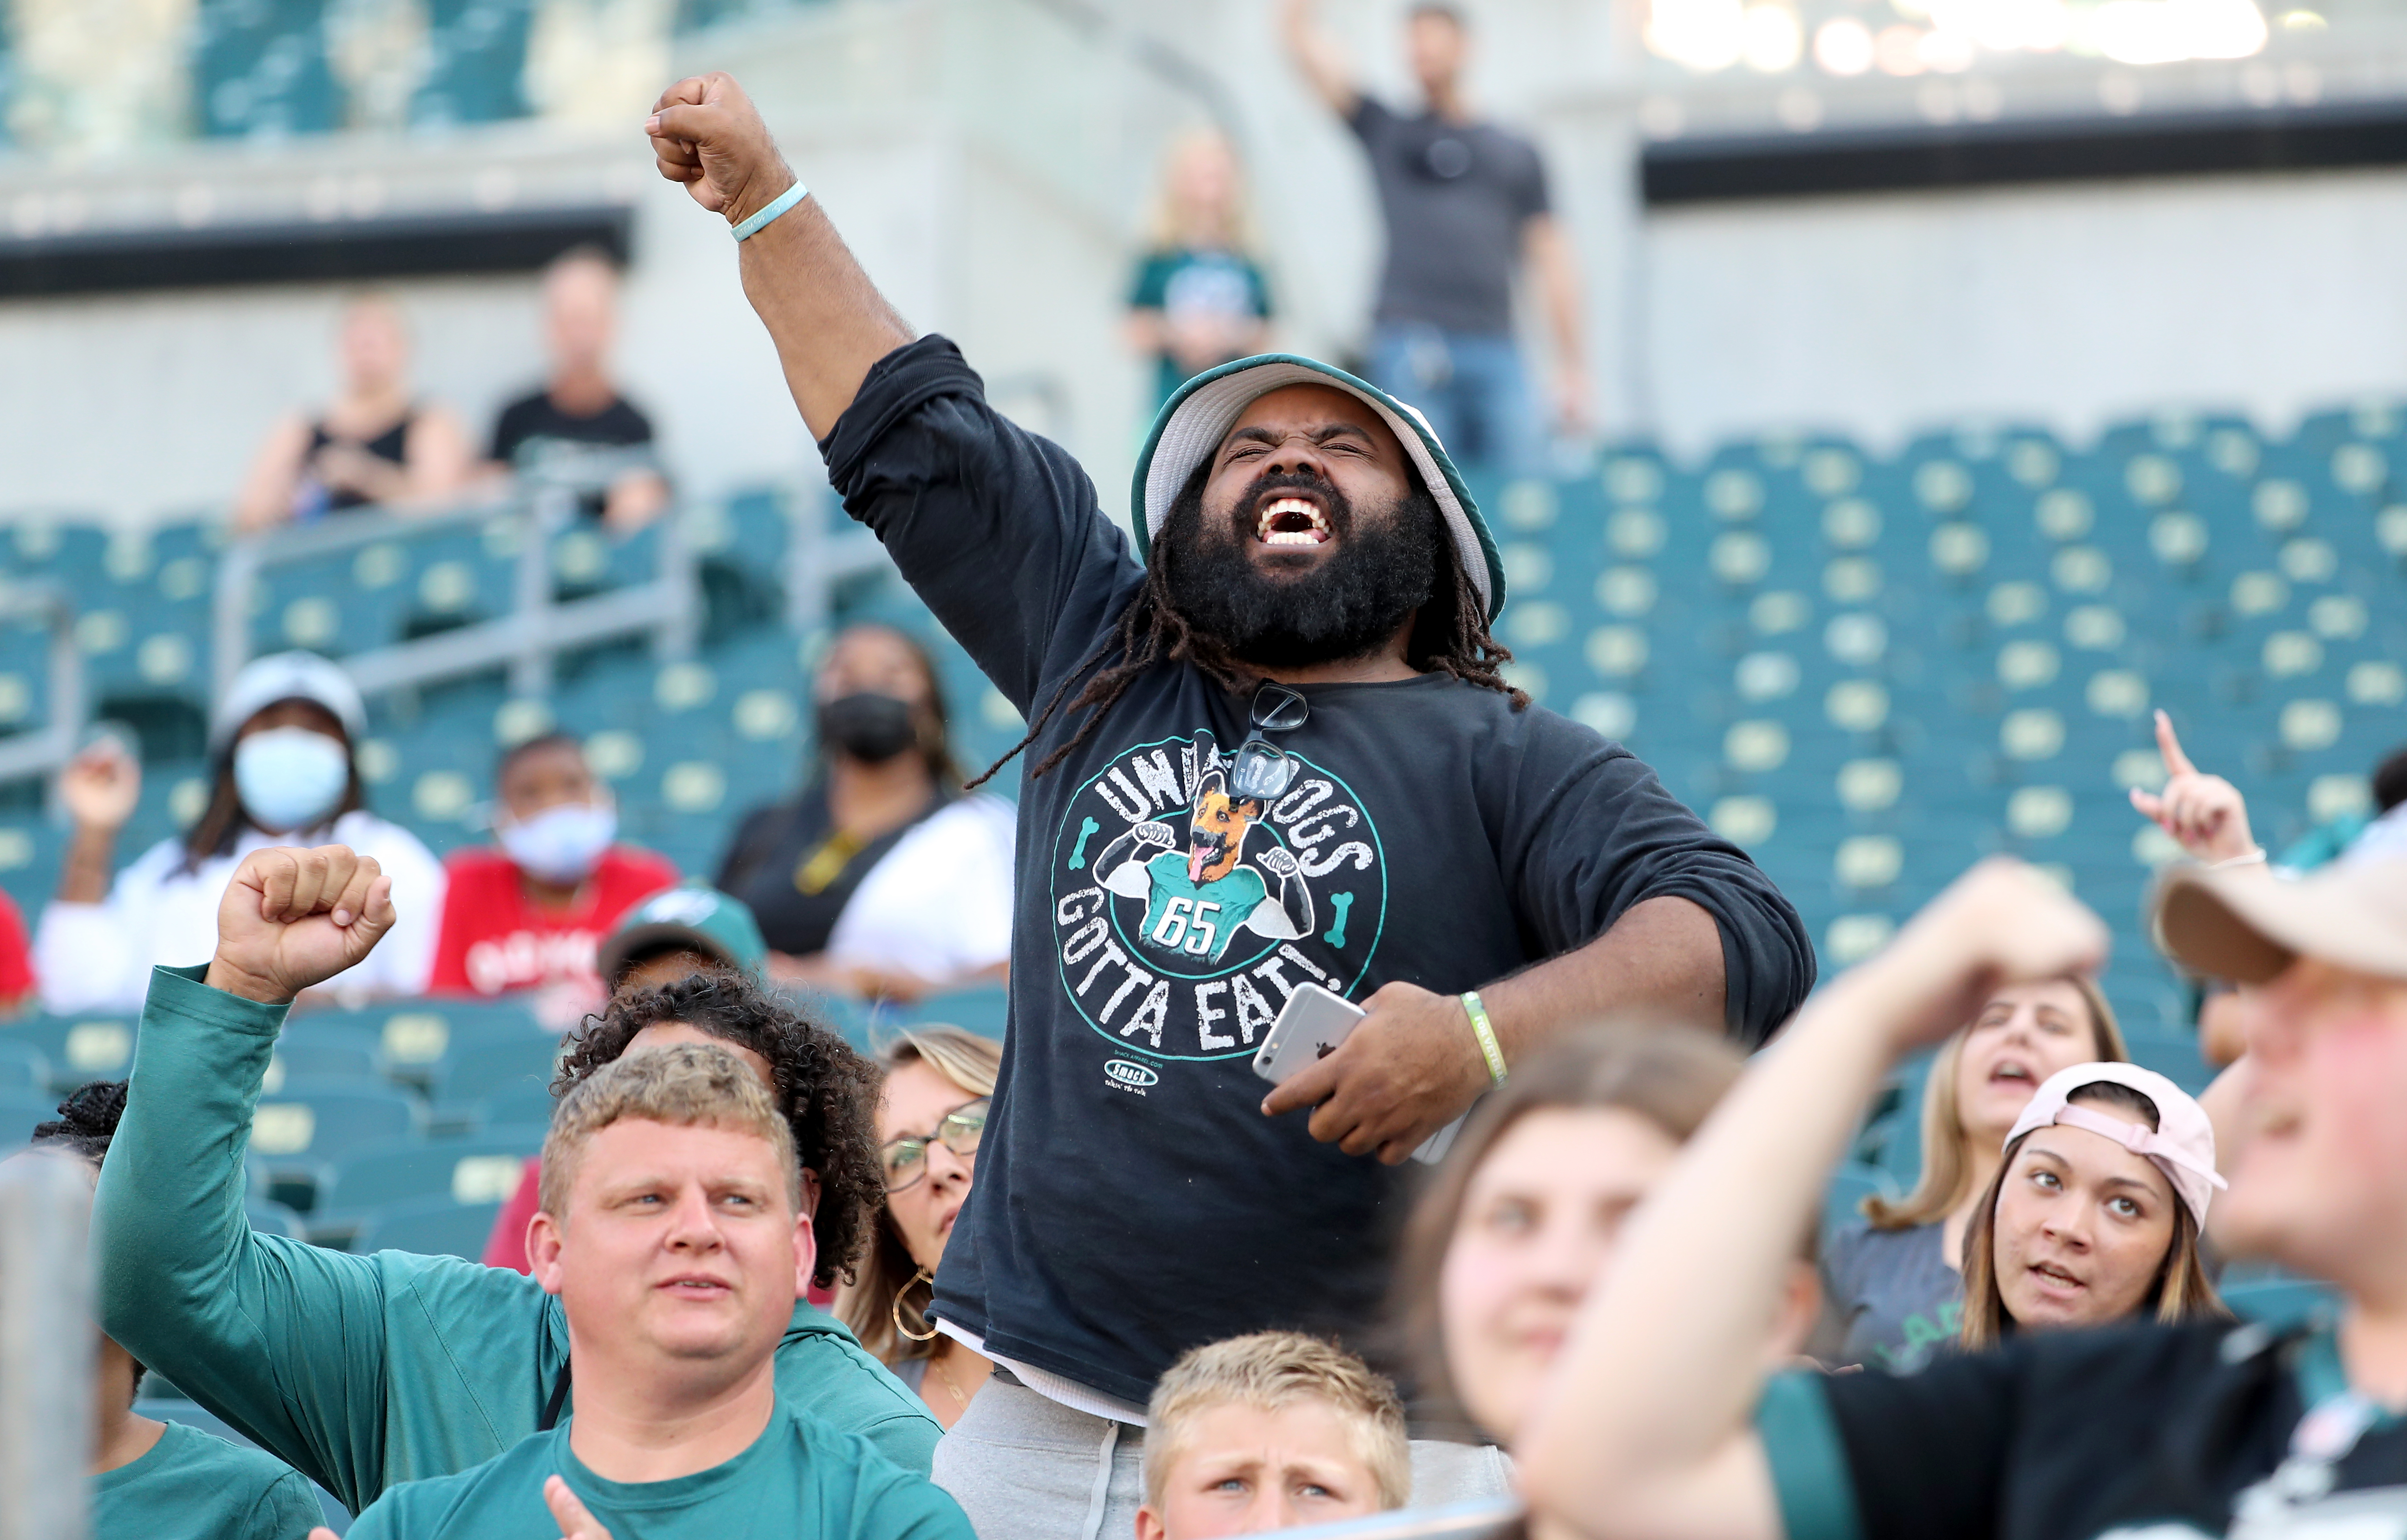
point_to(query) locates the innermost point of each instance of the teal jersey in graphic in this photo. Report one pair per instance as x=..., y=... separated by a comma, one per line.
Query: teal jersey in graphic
x=1197, y=918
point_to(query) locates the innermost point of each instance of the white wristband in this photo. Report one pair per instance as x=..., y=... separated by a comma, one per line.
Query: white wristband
x=2249, y=859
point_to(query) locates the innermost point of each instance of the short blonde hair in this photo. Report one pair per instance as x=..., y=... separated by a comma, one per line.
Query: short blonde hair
x=1272, y=1371
x=685, y=1085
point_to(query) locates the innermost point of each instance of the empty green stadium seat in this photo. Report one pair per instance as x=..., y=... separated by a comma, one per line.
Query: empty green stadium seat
x=429, y=1227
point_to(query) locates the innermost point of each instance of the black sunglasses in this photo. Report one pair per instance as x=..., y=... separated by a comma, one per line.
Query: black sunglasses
x=1263, y=770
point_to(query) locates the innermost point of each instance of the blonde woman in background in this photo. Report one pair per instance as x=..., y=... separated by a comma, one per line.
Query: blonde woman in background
x=1199, y=299
x=930, y=1115
x=1895, y=1280
x=377, y=442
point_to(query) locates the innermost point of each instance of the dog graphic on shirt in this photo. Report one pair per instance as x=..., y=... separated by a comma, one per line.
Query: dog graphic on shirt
x=1197, y=900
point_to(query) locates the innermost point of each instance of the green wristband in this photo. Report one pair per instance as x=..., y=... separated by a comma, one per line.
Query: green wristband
x=1484, y=1031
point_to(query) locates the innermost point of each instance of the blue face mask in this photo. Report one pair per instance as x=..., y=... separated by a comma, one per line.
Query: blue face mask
x=290, y=778
x=563, y=843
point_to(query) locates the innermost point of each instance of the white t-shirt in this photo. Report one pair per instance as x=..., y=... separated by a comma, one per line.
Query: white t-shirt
x=98, y=957
x=939, y=904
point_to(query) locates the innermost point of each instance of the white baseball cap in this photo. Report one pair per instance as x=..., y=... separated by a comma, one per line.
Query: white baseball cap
x=288, y=677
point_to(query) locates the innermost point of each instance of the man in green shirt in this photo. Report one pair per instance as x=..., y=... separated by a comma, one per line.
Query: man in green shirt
x=673, y=1231
x=361, y=1372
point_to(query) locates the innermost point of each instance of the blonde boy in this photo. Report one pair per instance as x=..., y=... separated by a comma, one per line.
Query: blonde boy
x=1268, y=1432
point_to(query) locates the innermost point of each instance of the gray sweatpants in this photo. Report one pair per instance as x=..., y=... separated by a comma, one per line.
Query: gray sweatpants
x=1027, y=1468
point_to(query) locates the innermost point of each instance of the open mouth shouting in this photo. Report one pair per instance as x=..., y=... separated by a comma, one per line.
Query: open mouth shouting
x=2013, y=1072
x=1288, y=519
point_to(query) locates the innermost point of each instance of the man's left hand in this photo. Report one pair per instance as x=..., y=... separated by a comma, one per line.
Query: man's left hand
x=1408, y=1068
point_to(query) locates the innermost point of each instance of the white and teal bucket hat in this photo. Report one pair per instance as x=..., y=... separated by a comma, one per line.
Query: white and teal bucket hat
x=1199, y=415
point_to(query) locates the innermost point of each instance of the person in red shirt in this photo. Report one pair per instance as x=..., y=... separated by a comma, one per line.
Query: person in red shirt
x=528, y=915
x=16, y=959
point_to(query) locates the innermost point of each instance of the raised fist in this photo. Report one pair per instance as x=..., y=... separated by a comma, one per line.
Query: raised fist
x=101, y=787
x=1155, y=835
x=706, y=134
x=1278, y=860
x=291, y=918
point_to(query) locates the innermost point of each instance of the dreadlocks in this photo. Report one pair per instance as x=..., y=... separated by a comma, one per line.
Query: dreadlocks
x=1449, y=634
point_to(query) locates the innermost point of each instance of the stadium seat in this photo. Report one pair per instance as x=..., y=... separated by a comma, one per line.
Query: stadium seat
x=429, y=1227
x=78, y=1048
x=23, y=1068
x=496, y=1066
x=463, y=1171
x=416, y=1039
x=2279, y=1301
x=323, y=1053
x=979, y=1011
x=20, y=1110
x=307, y=1126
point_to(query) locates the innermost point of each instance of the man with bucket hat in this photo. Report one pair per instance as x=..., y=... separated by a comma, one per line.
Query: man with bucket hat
x=1270, y=747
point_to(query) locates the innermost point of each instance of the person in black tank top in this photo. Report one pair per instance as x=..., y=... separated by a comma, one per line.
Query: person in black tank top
x=883, y=770
x=375, y=444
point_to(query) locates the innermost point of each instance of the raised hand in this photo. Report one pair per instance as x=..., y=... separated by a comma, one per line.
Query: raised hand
x=575, y=1521
x=291, y=918
x=101, y=787
x=706, y=134
x=2000, y=924
x=2205, y=813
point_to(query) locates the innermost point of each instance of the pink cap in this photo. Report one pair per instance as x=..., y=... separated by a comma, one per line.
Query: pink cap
x=2182, y=1146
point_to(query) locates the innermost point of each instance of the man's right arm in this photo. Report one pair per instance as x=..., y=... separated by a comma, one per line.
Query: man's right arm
x=284, y=1341
x=1317, y=55
x=828, y=319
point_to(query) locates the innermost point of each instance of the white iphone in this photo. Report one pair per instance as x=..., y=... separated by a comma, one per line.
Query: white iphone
x=1308, y=1030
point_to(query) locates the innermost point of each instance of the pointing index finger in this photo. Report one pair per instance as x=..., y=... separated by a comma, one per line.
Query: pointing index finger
x=2168, y=745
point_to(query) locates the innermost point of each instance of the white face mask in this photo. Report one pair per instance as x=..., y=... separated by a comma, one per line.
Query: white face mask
x=290, y=777
x=561, y=844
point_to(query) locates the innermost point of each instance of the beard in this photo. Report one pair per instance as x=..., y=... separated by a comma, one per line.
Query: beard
x=1385, y=567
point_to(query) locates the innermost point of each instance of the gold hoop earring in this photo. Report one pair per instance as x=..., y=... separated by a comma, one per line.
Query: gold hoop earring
x=895, y=1310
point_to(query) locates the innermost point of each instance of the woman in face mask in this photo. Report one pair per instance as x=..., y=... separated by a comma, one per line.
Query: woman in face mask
x=880, y=878
x=282, y=742
x=527, y=912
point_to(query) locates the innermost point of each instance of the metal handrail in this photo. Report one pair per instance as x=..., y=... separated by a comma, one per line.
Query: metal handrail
x=826, y=549
x=538, y=628
x=46, y=749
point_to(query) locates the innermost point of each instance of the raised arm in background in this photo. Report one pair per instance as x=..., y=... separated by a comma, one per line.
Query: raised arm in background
x=1548, y=251
x=1648, y=1428
x=828, y=321
x=1318, y=56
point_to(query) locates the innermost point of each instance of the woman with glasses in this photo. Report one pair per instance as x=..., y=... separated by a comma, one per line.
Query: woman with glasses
x=930, y=1116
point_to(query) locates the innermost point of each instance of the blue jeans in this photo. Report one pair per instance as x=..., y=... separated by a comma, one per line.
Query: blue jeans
x=1470, y=388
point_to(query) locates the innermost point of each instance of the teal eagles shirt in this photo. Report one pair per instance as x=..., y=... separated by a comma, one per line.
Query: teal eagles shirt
x=361, y=1372
x=1198, y=918
x=195, y=1486
x=800, y=1477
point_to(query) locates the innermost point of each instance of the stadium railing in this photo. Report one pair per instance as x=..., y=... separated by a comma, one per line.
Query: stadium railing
x=42, y=749
x=537, y=626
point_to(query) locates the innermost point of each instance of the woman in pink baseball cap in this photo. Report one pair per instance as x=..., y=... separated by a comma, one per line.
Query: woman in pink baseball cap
x=2095, y=1210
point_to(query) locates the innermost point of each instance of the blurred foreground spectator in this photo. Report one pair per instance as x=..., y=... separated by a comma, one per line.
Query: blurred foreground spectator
x=527, y=912
x=557, y=430
x=1199, y=299
x=152, y=1480
x=376, y=442
x=1270, y=1432
x=880, y=878
x=283, y=741
x=1894, y=1278
x=931, y=1117
x=1465, y=205
x=1523, y=1220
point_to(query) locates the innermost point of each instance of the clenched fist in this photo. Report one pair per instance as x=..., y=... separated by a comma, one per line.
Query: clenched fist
x=291, y=918
x=706, y=134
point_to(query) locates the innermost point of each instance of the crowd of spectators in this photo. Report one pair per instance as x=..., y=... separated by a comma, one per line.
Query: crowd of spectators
x=1097, y=1280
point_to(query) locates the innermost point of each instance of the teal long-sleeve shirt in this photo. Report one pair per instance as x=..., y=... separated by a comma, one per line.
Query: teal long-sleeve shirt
x=361, y=1372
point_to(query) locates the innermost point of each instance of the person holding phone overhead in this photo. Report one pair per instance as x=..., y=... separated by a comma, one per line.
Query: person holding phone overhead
x=1299, y=699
